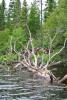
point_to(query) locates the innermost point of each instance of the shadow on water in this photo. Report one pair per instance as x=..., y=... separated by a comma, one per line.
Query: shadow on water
x=21, y=85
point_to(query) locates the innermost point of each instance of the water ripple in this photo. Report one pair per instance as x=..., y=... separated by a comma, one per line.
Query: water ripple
x=25, y=87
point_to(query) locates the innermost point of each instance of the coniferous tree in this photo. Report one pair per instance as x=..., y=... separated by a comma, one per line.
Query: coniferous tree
x=1, y=20
x=2, y=15
x=34, y=19
x=11, y=14
x=51, y=5
x=3, y=6
x=17, y=10
x=24, y=16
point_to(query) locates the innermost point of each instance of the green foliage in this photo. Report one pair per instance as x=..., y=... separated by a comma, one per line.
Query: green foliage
x=24, y=17
x=17, y=20
x=34, y=19
x=2, y=15
x=4, y=37
x=51, y=5
x=17, y=11
x=19, y=37
x=57, y=23
x=11, y=14
x=65, y=34
x=57, y=57
x=8, y=58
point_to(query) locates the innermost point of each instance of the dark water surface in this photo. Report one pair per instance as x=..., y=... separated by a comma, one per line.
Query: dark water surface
x=21, y=85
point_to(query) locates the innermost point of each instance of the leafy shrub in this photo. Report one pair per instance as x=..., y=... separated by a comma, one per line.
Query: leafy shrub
x=8, y=58
x=4, y=37
x=19, y=37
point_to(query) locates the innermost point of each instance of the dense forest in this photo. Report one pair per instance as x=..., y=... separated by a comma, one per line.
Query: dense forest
x=18, y=19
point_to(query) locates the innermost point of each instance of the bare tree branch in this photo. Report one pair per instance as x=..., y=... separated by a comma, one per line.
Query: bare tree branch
x=33, y=52
x=60, y=49
x=50, y=58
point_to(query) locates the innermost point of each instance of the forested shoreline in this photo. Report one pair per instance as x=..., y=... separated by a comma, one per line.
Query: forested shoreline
x=33, y=50
x=17, y=18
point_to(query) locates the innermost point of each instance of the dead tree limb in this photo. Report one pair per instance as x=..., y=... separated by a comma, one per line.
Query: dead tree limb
x=50, y=58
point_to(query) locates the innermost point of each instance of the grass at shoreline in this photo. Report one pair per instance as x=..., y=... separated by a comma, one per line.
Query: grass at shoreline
x=8, y=58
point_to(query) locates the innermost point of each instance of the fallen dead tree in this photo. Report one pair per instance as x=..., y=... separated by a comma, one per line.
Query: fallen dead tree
x=30, y=58
x=63, y=79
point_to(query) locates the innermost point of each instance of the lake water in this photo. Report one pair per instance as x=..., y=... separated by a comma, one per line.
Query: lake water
x=21, y=85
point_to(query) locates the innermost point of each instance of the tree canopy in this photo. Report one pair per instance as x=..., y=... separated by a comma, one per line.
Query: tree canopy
x=19, y=19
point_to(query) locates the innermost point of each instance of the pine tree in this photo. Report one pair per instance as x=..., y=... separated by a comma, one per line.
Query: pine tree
x=1, y=20
x=2, y=15
x=11, y=14
x=17, y=10
x=34, y=19
x=3, y=6
x=24, y=17
x=51, y=5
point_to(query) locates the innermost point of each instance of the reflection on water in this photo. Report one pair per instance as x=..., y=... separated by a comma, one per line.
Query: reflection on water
x=23, y=86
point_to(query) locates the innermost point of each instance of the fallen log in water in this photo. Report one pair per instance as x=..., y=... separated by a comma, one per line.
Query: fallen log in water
x=31, y=62
x=63, y=79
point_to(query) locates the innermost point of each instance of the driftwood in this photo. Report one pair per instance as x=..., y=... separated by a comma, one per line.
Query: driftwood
x=30, y=58
x=63, y=79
